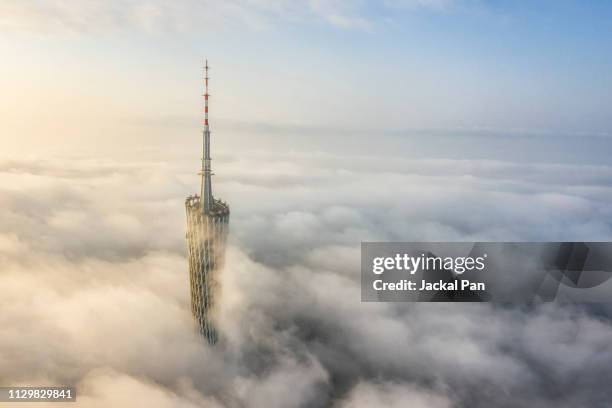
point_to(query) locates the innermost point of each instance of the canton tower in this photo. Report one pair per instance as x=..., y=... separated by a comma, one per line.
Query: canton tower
x=207, y=229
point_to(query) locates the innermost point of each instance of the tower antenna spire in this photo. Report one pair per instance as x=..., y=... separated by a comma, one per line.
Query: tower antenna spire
x=206, y=198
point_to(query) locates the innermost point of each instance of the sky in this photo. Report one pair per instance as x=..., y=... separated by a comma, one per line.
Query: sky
x=123, y=74
x=334, y=122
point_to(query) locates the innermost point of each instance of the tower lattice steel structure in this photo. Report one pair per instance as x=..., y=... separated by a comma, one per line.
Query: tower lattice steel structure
x=207, y=229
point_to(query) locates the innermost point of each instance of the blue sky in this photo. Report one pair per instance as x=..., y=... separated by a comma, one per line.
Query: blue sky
x=132, y=70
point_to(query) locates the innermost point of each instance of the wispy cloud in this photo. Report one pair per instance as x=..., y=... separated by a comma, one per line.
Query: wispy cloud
x=156, y=15
x=427, y=4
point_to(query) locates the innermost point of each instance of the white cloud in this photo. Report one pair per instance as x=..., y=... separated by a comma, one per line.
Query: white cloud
x=393, y=396
x=94, y=287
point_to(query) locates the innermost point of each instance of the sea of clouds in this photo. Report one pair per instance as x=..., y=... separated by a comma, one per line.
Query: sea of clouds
x=94, y=283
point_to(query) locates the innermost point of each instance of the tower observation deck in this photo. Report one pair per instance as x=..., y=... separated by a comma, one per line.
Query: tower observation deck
x=207, y=229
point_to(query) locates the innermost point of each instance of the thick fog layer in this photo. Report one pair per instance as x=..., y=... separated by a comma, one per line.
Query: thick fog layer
x=94, y=284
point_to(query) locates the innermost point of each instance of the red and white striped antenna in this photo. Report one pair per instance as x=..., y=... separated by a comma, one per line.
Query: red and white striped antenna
x=206, y=94
x=206, y=198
